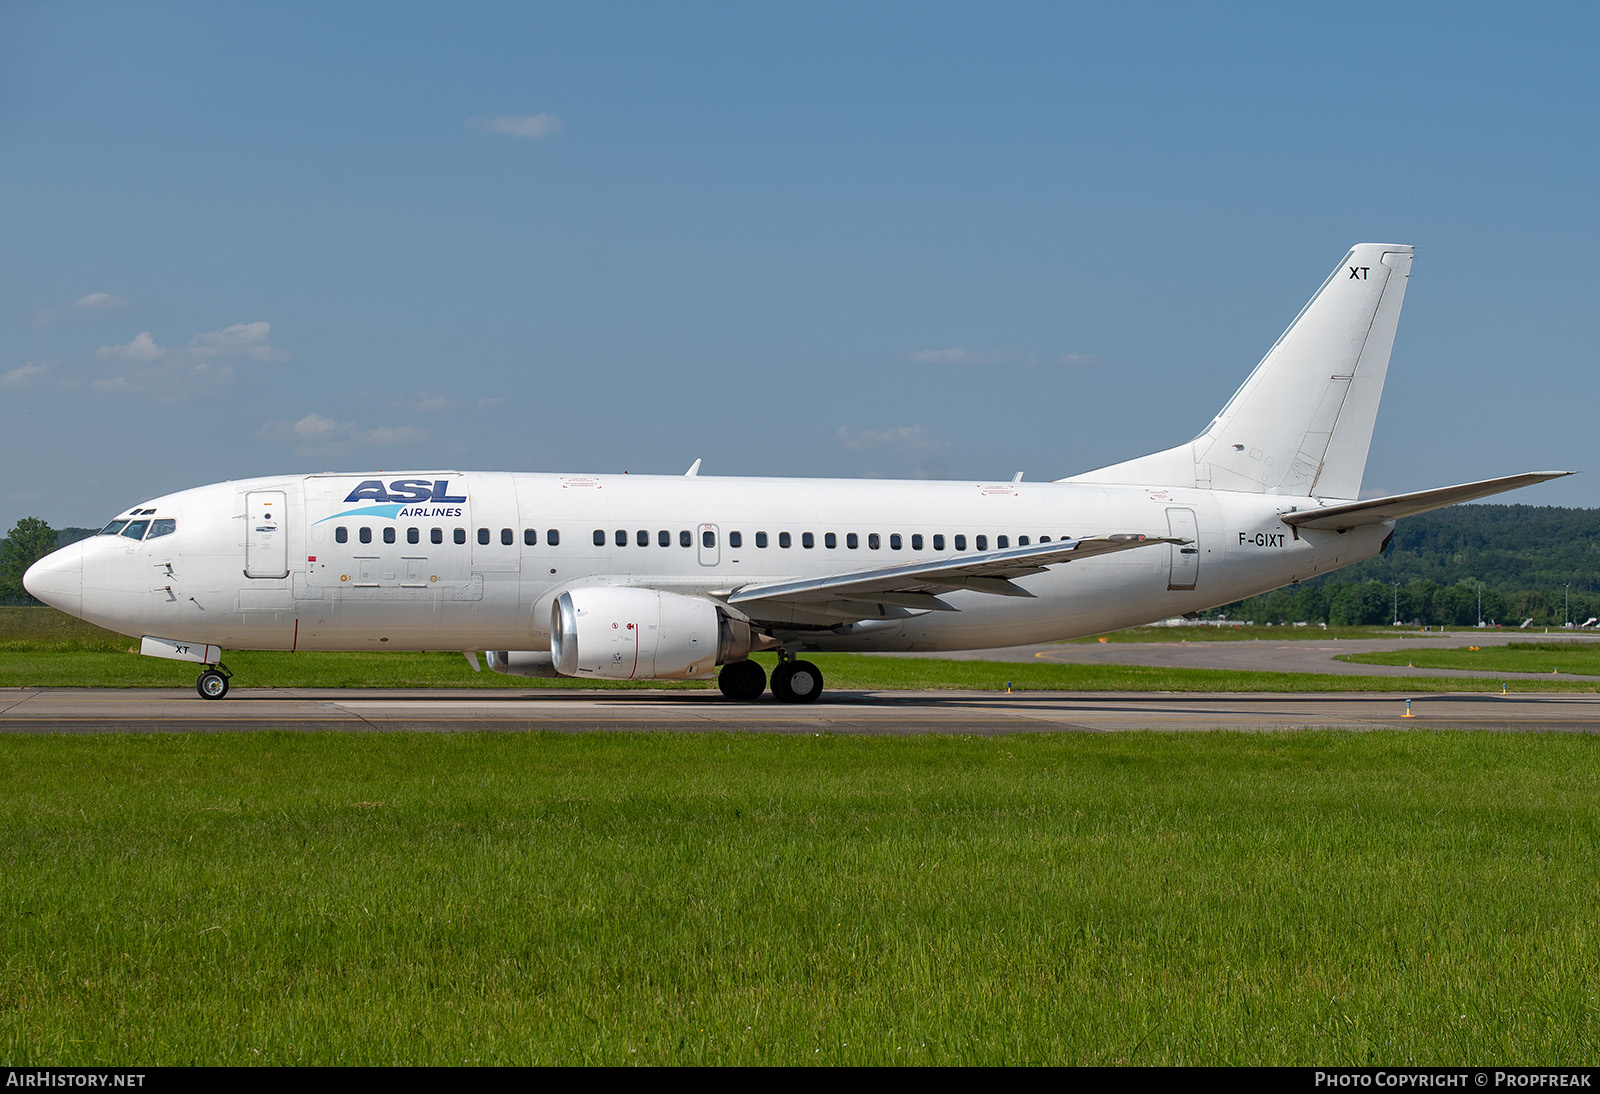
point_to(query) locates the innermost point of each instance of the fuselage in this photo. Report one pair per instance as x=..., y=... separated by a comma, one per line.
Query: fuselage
x=447, y=560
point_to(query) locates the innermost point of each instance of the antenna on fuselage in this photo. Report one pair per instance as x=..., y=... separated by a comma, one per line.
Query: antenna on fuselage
x=694, y=471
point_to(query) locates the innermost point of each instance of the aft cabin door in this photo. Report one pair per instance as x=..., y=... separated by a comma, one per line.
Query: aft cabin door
x=266, y=541
x=1185, y=565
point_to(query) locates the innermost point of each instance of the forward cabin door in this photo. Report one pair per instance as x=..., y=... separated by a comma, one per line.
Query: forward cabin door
x=266, y=543
x=1185, y=565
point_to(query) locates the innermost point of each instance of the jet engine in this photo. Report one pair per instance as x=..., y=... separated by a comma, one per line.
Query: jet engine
x=643, y=634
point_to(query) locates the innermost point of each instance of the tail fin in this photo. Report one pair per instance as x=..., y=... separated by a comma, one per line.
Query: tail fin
x=1302, y=422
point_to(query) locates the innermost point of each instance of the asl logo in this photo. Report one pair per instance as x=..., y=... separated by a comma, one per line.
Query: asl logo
x=405, y=490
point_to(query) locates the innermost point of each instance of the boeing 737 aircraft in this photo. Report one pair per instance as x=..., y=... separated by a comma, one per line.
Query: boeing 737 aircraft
x=655, y=577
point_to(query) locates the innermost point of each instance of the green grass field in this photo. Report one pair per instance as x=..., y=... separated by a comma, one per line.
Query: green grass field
x=1219, y=898
x=1553, y=657
x=40, y=647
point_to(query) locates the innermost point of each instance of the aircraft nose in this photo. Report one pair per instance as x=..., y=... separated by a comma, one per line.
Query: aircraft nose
x=57, y=579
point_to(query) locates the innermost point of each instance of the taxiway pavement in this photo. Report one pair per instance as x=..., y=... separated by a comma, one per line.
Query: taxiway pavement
x=96, y=710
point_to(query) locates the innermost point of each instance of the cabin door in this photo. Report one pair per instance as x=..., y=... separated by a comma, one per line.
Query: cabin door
x=266, y=542
x=1185, y=565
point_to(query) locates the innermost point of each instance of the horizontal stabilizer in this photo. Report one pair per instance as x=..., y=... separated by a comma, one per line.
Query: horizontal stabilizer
x=1354, y=514
x=917, y=584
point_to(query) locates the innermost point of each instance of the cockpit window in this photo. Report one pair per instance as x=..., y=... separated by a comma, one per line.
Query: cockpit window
x=135, y=529
x=165, y=526
x=113, y=528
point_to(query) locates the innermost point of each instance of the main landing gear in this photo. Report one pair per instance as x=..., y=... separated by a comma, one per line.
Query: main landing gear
x=213, y=682
x=792, y=681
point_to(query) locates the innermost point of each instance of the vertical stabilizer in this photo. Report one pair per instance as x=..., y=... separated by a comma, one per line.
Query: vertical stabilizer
x=1302, y=422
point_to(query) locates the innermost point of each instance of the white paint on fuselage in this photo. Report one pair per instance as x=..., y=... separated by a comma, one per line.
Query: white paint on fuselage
x=191, y=585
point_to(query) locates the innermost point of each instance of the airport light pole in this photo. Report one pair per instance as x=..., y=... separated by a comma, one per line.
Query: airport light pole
x=1566, y=597
x=1396, y=585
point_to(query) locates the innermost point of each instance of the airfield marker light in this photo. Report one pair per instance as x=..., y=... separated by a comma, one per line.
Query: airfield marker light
x=1008, y=687
x=1408, y=713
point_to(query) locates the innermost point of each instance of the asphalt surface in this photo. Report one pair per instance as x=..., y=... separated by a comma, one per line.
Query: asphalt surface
x=97, y=710
x=94, y=710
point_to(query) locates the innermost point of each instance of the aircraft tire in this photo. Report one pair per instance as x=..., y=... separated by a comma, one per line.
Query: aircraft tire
x=796, y=682
x=742, y=681
x=211, y=685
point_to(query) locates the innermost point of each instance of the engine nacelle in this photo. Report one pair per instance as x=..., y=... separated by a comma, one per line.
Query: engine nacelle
x=639, y=634
x=522, y=662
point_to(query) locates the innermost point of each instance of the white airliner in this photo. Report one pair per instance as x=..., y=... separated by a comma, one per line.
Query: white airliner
x=653, y=577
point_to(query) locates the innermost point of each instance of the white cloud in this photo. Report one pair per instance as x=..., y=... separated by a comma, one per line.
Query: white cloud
x=25, y=376
x=143, y=347
x=99, y=301
x=424, y=402
x=519, y=125
x=198, y=370
x=319, y=435
x=1080, y=359
x=907, y=438
x=248, y=340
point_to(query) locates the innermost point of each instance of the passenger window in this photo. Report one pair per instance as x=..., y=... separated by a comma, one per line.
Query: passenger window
x=136, y=529
x=483, y=536
x=981, y=542
x=735, y=539
x=620, y=537
x=341, y=535
x=852, y=541
x=1044, y=539
x=413, y=535
x=113, y=528
x=807, y=540
x=553, y=538
x=163, y=527
x=783, y=540
x=530, y=537
x=829, y=540
x=436, y=535
x=708, y=538
x=1022, y=541
x=1002, y=542
x=938, y=543
x=894, y=541
x=599, y=537
x=507, y=537
x=388, y=535
x=364, y=535
x=761, y=539
x=916, y=542
x=685, y=539
x=961, y=543
x=460, y=535
x=874, y=541
x=642, y=537
x=664, y=538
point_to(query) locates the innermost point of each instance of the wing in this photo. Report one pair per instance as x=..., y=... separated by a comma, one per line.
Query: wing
x=896, y=592
x=1377, y=510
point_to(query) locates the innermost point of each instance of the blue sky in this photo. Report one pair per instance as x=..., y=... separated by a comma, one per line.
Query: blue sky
x=842, y=240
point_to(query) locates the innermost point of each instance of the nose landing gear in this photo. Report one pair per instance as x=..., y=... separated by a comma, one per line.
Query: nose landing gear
x=213, y=682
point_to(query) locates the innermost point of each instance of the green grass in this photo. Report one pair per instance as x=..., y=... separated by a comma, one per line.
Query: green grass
x=40, y=647
x=1317, y=897
x=1578, y=657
